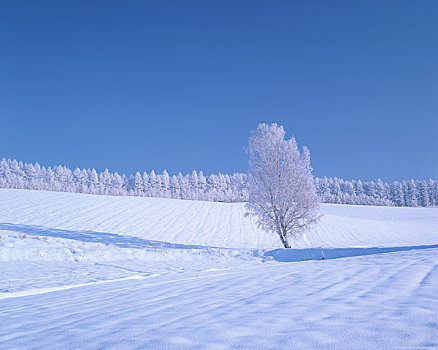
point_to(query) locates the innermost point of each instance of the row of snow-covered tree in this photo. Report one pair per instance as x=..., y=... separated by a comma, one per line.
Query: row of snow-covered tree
x=217, y=188
x=407, y=193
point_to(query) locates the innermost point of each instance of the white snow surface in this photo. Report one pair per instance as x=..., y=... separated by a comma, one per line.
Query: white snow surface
x=103, y=272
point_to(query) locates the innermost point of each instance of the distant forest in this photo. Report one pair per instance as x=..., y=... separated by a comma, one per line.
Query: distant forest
x=214, y=187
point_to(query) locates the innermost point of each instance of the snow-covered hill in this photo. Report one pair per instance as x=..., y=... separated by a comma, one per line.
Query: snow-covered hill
x=94, y=271
x=204, y=223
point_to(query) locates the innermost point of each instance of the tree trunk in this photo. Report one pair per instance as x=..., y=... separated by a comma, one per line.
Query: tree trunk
x=284, y=240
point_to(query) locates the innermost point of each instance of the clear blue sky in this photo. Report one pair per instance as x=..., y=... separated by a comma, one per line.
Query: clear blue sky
x=178, y=85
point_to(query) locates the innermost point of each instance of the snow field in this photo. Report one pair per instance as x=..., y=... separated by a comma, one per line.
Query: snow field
x=102, y=272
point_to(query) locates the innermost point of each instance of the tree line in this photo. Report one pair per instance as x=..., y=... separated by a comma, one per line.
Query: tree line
x=214, y=187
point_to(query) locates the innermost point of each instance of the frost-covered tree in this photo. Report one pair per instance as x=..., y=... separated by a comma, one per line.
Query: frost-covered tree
x=423, y=195
x=348, y=188
x=359, y=188
x=138, y=184
x=397, y=194
x=380, y=189
x=174, y=187
x=411, y=194
x=193, y=183
x=79, y=180
x=49, y=179
x=435, y=193
x=154, y=184
x=29, y=175
x=93, y=181
x=183, y=184
x=432, y=189
x=326, y=195
x=146, y=187
x=280, y=184
x=335, y=189
x=202, y=185
x=165, y=185
x=116, y=185
x=104, y=182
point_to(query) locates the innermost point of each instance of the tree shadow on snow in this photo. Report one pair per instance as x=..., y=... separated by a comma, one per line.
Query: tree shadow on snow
x=291, y=255
x=97, y=237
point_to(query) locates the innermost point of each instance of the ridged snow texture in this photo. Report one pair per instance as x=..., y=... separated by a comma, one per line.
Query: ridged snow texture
x=80, y=271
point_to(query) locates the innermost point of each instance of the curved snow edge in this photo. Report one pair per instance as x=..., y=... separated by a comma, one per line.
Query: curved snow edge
x=35, y=291
x=291, y=255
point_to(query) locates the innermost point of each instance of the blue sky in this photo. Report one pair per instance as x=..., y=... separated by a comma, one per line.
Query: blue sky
x=178, y=85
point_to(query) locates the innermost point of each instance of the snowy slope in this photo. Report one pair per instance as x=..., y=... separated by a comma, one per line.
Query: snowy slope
x=97, y=218
x=101, y=272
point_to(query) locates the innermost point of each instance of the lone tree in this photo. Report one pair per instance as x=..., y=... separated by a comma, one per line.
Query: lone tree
x=280, y=184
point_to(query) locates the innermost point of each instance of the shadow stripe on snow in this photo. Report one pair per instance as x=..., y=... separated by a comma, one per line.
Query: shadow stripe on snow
x=89, y=236
x=295, y=255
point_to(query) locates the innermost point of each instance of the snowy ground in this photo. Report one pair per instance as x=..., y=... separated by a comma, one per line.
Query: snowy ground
x=100, y=272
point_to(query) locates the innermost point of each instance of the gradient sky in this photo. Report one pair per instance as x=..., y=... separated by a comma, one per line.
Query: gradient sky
x=178, y=85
